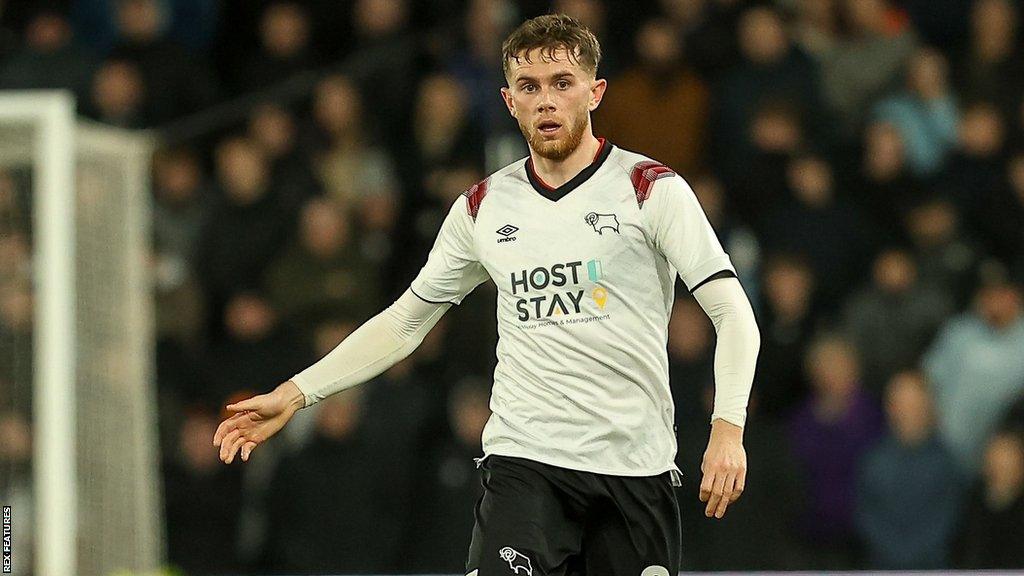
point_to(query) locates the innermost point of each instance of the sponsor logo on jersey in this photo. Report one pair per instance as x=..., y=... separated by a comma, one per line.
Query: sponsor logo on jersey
x=602, y=222
x=507, y=232
x=538, y=302
x=545, y=305
x=516, y=561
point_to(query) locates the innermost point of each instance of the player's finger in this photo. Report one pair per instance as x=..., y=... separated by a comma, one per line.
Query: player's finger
x=226, y=442
x=741, y=484
x=247, y=449
x=707, y=483
x=253, y=404
x=730, y=480
x=716, y=494
x=234, y=449
x=225, y=427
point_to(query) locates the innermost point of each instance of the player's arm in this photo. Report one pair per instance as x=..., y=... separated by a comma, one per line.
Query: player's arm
x=725, y=461
x=681, y=231
x=450, y=273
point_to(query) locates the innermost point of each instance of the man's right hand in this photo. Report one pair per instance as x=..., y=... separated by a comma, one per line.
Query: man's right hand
x=255, y=420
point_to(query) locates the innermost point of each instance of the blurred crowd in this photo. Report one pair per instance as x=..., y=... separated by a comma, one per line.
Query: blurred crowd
x=861, y=160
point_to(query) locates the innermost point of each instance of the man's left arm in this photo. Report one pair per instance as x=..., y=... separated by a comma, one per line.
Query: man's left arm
x=725, y=461
x=681, y=231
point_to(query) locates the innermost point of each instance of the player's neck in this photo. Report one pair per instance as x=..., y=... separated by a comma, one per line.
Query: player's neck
x=554, y=173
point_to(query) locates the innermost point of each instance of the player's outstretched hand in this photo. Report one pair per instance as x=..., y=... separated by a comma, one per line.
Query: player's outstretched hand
x=724, y=468
x=255, y=420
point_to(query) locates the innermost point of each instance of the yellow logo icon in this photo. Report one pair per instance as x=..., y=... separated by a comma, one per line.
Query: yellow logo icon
x=600, y=295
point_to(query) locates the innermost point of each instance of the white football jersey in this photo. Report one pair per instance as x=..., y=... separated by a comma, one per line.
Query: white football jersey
x=585, y=276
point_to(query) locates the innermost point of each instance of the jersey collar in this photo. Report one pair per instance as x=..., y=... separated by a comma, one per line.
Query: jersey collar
x=556, y=194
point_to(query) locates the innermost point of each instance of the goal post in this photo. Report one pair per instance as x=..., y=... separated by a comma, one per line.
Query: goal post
x=38, y=128
x=95, y=479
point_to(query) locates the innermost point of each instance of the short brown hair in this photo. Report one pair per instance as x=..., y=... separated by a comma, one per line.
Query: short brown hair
x=549, y=33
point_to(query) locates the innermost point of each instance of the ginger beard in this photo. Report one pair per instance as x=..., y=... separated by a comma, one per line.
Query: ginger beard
x=560, y=148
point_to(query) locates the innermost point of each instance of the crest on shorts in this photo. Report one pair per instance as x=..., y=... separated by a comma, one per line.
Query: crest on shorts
x=516, y=561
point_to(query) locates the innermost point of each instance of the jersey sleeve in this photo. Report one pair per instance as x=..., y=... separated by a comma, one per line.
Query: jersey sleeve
x=681, y=231
x=452, y=270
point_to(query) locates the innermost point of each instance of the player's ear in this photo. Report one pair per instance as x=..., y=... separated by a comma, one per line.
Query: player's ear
x=597, y=93
x=506, y=95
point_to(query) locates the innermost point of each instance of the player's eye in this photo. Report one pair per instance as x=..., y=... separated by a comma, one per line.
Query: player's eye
x=562, y=84
x=529, y=88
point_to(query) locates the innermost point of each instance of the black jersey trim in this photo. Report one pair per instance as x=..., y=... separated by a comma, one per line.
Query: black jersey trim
x=556, y=194
x=715, y=276
x=431, y=301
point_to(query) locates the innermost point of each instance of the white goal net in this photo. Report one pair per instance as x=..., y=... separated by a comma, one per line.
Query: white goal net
x=76, y=344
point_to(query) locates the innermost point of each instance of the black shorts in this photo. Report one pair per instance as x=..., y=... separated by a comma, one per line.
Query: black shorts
x=539, y=520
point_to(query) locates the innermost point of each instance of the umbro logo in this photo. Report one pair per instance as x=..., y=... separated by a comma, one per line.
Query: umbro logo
x=507, y=232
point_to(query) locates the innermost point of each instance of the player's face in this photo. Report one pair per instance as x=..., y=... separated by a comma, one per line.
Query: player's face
x=551, y=98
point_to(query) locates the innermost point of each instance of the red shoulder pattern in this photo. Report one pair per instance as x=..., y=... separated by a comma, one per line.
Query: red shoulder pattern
x=643, y=177
x=474, y=196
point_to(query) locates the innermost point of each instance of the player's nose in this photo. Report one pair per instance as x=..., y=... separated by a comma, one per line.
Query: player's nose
x=546, y=103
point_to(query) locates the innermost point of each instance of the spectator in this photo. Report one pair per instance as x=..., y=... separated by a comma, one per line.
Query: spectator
x=175, y=82
x=321, y=270
x=384, y=63
x=776, y=136
x=180, y=210
x=738, y=239
x=816, y=25
x=977, y=369
x=893, y=320
x=310, y=532
x=246, y=227
x=908, y=493
x=772, y=70
x=49, y=59
x=830, y=433
x=442, y=512
x=866, y=62
x=946, y=258
x=885, y=189
x=706, y=29
x=14, y=218
x=992, y=535
x=354, y=172
x=924, y=112
x=992, y=67
x=182, y=203
x=690, y=366
x=478, y=66
x=831, y=233
x=14, y=226
x=443, y=136
x=16, y=339
x=119, y=96
x=974, y=174
x=273, y=129
x=787, y=323
x=1002, y=213
x=256, y=351
x=594, y=15
x=660, y=86
x=768, y=513
x=201, y=501
x=284, y=48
